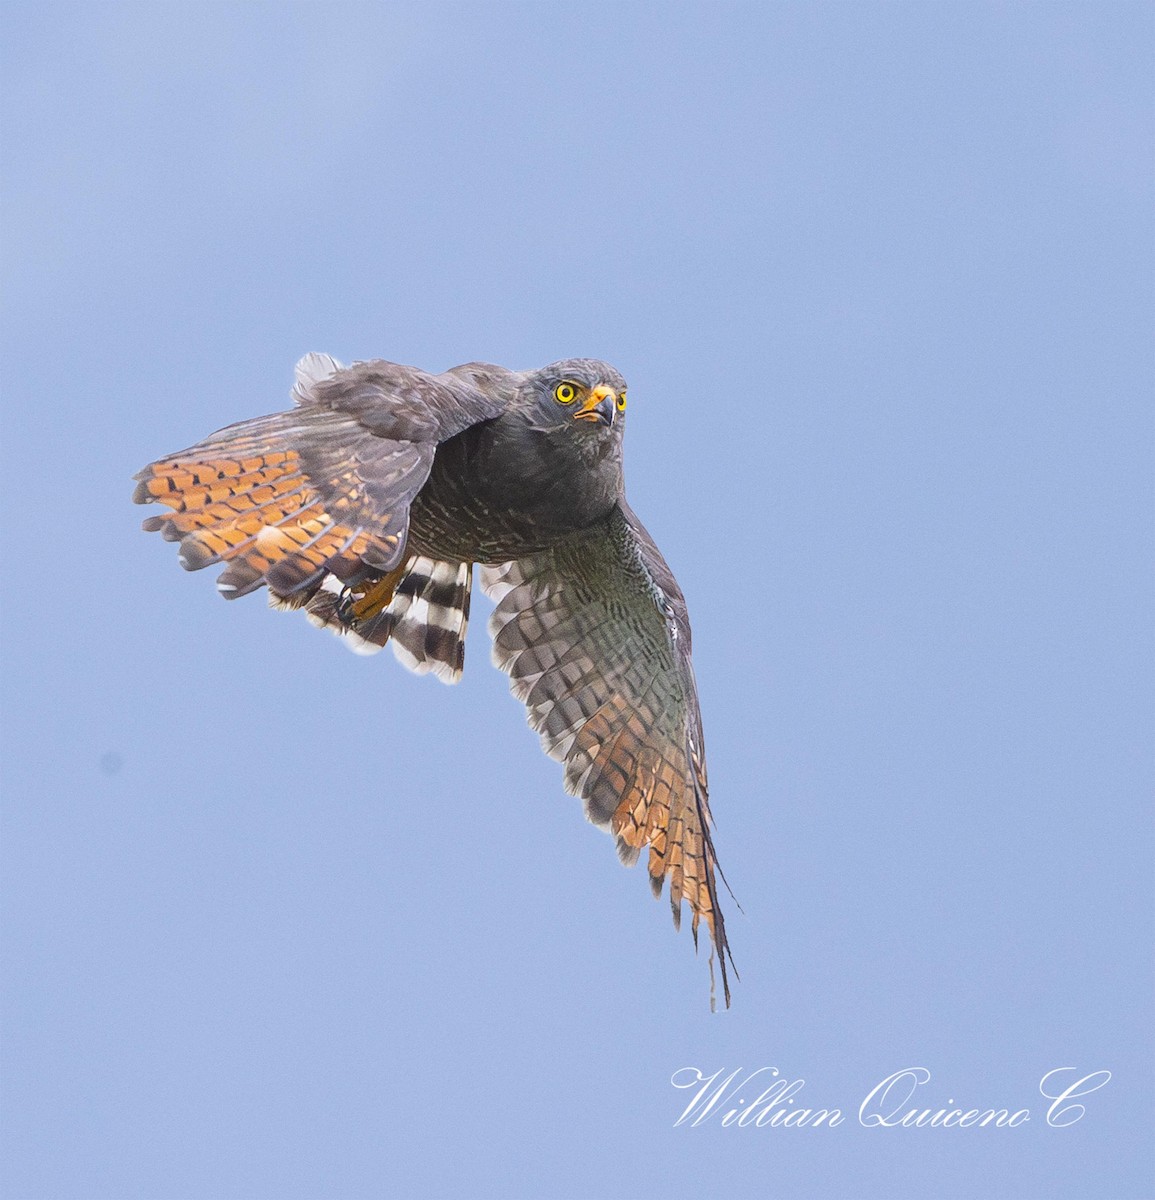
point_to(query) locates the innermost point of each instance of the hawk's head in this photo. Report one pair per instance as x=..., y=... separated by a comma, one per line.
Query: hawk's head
x=581, y=394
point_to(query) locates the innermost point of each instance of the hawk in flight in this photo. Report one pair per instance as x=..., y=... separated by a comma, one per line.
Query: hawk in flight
x=368, y=505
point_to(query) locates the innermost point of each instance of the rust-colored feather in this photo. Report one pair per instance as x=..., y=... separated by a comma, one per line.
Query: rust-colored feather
x=259, y=514
x=594, y=637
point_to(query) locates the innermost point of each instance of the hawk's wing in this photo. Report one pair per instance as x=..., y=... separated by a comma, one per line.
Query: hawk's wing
x=323, y=489
x=596, y=641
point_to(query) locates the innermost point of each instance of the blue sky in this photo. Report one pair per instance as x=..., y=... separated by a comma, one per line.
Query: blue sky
x=281, y=922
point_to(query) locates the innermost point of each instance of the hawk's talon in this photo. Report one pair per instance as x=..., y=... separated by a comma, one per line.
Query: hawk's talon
x=345, y=611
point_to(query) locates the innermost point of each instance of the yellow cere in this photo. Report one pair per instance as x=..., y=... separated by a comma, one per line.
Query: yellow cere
x=565, y=393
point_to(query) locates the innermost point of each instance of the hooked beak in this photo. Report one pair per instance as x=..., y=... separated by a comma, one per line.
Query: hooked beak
x=600, y=406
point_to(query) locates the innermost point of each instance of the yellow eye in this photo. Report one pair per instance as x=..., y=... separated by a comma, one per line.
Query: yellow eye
x=565, y=393
x=621, y=402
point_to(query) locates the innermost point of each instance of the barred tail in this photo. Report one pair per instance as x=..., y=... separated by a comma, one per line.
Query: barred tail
x=421, y=608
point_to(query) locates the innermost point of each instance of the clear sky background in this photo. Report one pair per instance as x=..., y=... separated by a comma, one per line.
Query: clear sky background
x=284, y=923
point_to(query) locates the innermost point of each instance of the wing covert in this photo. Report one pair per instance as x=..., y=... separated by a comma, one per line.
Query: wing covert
x=324, y=489
x=596, y=642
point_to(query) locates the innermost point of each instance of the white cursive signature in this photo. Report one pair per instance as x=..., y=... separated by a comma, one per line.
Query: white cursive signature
x=765, y=1097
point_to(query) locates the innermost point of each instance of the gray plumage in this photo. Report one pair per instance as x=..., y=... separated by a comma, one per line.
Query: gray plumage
x=369, y=503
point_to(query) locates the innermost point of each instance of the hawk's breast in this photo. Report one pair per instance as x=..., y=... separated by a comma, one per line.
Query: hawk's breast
x=503, y=490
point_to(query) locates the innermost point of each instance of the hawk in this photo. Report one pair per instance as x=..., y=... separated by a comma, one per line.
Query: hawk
x=368, y=505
